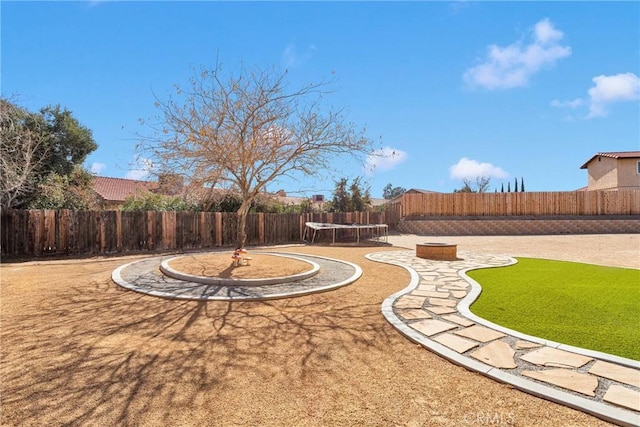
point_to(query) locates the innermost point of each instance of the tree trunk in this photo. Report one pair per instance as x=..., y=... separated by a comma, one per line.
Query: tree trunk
x=241, y=236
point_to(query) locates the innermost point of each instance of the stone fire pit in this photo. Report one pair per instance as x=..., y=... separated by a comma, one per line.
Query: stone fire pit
x=437, y=251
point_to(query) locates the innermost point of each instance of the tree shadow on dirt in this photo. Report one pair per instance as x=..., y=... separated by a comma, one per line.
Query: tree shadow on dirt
x=96, y=352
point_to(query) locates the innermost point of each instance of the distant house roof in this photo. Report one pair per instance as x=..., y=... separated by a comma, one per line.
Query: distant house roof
x=118, y=189
x=378, y=202
x=413, y=191
x=614, y=155
x=289, y=200
x=417, y=190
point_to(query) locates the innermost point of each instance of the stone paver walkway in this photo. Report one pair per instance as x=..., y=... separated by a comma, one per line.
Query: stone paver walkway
x=434, y=312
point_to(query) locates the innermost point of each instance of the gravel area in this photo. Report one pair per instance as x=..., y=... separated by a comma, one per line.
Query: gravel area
x=618, y=250
x=76, y=349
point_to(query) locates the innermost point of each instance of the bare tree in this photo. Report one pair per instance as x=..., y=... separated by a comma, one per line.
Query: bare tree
x=481, y=185
x=23, y=146
x=243, y=131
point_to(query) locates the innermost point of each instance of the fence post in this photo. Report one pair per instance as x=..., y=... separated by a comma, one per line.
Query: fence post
x=218, y=222
x=261, y=228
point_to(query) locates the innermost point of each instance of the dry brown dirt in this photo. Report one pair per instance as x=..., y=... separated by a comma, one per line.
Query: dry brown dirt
x=76, y=349
x=261, y=266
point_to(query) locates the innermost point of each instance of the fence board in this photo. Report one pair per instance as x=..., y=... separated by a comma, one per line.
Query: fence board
x=64, y=232
x=623, y=202
x=38, y=232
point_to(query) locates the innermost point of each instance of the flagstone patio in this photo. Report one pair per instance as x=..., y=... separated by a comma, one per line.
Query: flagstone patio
x=434, y=312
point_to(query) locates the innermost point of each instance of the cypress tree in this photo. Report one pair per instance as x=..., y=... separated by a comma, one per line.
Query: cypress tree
x=341, y=197
x=522, y=184
x=509, y=187
x=502, y=189
x=516, y=184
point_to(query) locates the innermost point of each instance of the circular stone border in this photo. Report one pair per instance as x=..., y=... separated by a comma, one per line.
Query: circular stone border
x=223, y=281
x=144, y=276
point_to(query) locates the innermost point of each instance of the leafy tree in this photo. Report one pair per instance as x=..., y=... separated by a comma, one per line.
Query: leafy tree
x=349, y=198
x=304, y=207
x=23, y=147
x=72, y=191
x=156, y=202
x=266, y=203
x=357, y=197
x=242, y=131
x=389, y=192
x=229, y=202
x=341, y=201
x=40, y=155
x=69, y=143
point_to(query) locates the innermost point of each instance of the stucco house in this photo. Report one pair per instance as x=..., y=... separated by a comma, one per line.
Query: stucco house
x=618, y=170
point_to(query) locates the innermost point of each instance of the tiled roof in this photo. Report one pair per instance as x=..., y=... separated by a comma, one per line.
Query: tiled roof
x=118, y=189
x=614, y=155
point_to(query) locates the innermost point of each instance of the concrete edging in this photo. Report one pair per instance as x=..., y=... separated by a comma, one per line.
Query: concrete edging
x=223, y=281
x=601, y=410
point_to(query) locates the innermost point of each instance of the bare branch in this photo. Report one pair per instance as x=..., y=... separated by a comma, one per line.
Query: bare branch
x=22, y=152
x=246, y=130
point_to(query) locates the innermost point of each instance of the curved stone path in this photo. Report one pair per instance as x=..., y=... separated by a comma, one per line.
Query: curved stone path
x=433, y=310
x=145, y=277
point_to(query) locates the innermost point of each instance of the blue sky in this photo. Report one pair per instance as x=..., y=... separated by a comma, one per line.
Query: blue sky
x=456, y=89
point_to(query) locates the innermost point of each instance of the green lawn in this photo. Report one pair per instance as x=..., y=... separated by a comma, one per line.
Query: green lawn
x=582, y=305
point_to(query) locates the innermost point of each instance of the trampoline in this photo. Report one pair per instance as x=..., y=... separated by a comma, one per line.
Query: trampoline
x=311, y=230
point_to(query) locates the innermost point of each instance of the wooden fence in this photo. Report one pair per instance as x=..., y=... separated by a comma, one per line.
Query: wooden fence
x=574, y=203
x=65, y=232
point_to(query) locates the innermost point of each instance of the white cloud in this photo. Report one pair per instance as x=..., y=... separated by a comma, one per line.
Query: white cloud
x=606, y=91
x=97, y=168
x=513, y=65
x=545, y=33
x=612, y=89
x=471, y=169
x=384, y=159
x=291, y=57
x=576, y=103
x=140, y=170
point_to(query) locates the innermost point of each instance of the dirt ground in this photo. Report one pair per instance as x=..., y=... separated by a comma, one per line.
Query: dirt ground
x=220, y=265
x=76, y=349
